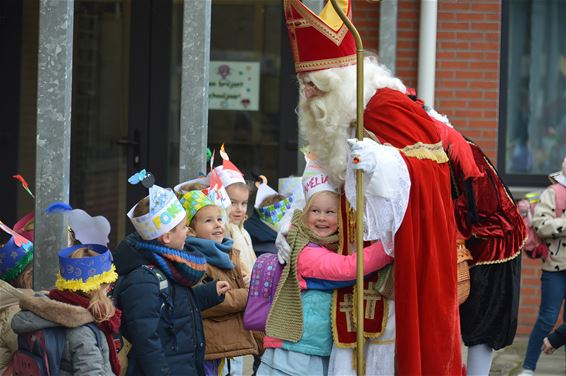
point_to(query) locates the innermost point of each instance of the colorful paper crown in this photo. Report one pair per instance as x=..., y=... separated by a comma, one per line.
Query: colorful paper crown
x=25, y=226
x=291, y=186
x=15, y=255
x=193, y=201
x=205, y=180
x=228, y=172
x=85, y=274
x=165, y=210
x=315, y=180
x=273, y=213
x=319, y=42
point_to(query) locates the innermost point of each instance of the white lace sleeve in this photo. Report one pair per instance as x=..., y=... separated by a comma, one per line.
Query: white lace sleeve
x=386, y=195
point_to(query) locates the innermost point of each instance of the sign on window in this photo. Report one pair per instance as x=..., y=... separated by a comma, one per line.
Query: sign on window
x=233, y=85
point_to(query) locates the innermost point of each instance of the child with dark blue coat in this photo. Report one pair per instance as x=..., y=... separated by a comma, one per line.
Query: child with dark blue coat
x=158, y=290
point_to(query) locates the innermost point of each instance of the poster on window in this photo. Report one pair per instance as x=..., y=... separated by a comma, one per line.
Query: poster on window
x=233, y=85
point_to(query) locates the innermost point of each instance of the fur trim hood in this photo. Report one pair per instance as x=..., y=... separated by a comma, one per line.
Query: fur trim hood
x=39, y=312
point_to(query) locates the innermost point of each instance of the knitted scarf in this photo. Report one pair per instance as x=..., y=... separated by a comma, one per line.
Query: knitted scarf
x=217, y=254
x=109, y=327
x=285, y=320
x=185, y=268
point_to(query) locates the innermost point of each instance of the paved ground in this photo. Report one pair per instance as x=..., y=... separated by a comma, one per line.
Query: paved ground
x=509, y=361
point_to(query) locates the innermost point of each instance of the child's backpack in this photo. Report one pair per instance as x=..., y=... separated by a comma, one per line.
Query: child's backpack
x=534, y=246
x=263, y=285
x=39, y=353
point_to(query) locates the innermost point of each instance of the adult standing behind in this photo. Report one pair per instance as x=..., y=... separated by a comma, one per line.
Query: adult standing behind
x=550, y=227
x=420, y=234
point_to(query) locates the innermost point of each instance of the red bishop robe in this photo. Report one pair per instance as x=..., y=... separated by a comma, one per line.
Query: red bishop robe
x=426, y=304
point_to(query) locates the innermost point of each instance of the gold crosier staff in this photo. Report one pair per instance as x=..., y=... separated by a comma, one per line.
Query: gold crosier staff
x=360, y=353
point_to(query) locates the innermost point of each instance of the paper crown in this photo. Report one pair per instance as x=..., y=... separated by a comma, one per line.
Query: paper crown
x=25, y=226
x=85, y=274
x=15, y=255
x=263, y=191
x=193, y=201
x=228, y=172
x=315, y=180
x=165, y=210
x=291, y=186
x=205, y=180
x=319, y=42
x=273, y=213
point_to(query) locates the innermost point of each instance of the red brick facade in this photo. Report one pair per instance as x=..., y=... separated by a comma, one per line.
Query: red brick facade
x=467, y=84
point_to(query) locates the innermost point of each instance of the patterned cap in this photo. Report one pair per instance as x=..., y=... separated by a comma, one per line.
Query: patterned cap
x=85, y=274
x=193, y=201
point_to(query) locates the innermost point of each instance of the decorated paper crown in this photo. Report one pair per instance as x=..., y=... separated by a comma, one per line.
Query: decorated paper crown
x=291, y=186
x=559, y=176
x=228, y=172
x=193, y=201
x=273, y=213
x=25, y=226
x=88, y=273
x=205, y=180
x=315, y=180
x=15, y=255
x=319, y=42
x=165, y=210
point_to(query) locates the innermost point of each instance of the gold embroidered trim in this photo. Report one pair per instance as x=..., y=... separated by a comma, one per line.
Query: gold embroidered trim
x=336, y=36
x=497, y=261
x=420, y=150
x=324, y=63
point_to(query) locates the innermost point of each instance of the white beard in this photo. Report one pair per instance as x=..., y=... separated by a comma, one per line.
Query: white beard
x=325, y=120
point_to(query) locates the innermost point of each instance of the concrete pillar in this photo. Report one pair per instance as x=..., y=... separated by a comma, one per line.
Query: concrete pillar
x=54, y=93
x=194, y=88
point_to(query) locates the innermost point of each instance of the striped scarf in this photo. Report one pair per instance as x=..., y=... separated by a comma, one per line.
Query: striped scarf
x=185, y=268
x=285, y=320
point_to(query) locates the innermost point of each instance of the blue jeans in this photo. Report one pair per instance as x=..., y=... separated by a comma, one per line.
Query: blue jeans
x=553, y=286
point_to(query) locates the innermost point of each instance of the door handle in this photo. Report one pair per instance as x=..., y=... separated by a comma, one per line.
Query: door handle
x=135, y=144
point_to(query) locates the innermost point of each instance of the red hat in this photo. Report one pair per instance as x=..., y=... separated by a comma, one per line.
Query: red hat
x=319, y=42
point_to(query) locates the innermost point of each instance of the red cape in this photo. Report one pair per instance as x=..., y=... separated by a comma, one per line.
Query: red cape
x=426, y=304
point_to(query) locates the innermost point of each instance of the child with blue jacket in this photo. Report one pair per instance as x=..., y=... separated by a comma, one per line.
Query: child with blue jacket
x=157, y=289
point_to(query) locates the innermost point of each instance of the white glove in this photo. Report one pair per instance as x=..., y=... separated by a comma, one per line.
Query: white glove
x=362, y=155
x=283, y=249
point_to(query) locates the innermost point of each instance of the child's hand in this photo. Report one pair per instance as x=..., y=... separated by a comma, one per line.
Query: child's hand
x=222, y=287
x=246, y=279
x=547, y=347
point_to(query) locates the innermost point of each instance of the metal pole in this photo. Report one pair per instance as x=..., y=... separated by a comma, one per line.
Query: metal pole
x=194, y=88
x=54, y=93
x=360, y=353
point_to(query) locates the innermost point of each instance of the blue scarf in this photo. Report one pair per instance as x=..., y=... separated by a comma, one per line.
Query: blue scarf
x=216, y=254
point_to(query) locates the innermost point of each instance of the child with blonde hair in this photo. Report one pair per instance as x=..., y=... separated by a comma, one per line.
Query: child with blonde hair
x=78, y=301
x=223, y=325
x=299, y=336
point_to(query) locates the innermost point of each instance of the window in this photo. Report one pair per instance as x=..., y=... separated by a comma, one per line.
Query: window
x=533, y=91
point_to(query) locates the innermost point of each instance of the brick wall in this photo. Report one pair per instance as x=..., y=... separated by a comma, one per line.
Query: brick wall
x=467, y=85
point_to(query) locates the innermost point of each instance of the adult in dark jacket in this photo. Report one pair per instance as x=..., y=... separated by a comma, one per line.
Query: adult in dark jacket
x=161, y=318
